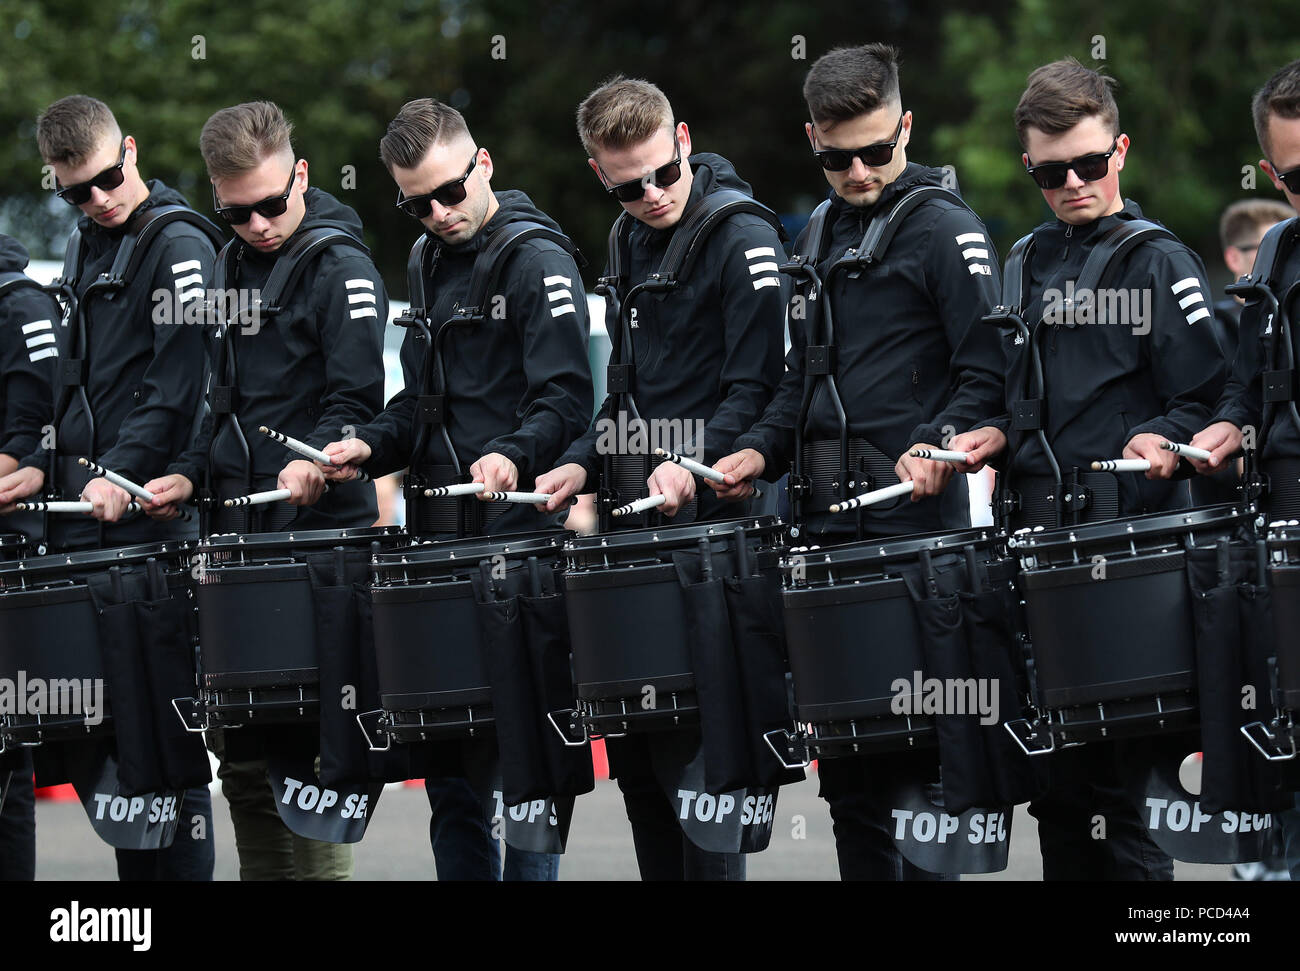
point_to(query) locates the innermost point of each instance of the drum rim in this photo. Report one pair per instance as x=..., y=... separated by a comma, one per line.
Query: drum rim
x=296, y=538
x=16, y=539
x=446, y=550
x=658, y=536
x=110, y=556
x=896, y=547
x=1147, y=524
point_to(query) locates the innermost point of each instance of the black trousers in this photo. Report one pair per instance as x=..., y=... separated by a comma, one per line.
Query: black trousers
x=18, y=824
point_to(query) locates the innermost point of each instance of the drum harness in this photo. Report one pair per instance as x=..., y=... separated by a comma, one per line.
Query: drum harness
x=1071, y=497
x=431, y=399
x=74, y=369
x=819, y=358
x=697, y=224
x=223, y=399
x=1278, y=378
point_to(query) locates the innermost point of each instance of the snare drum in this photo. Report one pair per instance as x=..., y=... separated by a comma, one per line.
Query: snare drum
x=429, y=653
x=1110, y=619
x=257, y=626
x=853, y=631
x=628, y=620
x=50, y=630
x=13, y=546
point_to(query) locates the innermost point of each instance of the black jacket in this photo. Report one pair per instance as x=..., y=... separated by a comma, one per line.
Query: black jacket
x=1108, y=382
x=913, y=364
x=29, y=327
x=709, y=350
x=519, y=383
x=314, y=371
x=145, y=367
x=1242, y=402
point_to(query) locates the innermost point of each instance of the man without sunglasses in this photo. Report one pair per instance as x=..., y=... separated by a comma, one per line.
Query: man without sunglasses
x=708, y=352
x=914, y=367
x=311, y=372
x=518, y=392
x=1112, y=391
x=143, y=379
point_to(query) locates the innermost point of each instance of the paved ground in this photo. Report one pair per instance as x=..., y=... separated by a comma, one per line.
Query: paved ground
x=600, y=846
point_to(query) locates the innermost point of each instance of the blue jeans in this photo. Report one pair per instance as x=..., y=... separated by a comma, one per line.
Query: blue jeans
x=191, y=855
x=463, y=845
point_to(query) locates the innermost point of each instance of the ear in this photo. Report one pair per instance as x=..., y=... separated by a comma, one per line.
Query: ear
x=595, y=167
x=301, y=168
x=812, y=135
x=684, y=139
x=1024, y=159
x=1121, y=150
x=485, y=164
x=906, y=134
x=1271, y=172
x=132, y=150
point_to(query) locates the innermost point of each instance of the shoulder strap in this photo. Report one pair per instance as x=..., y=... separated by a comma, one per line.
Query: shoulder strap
x=423, y=252
x=817, y=236
x=300, y=250
x=1116, y=244
x=1274, y=250
x=614, y=257
x=15, y=279
x=880, y=232
x=1013, y=275
x=699, y=222
x=72, y=258
x=492, y=257
x=144, y=230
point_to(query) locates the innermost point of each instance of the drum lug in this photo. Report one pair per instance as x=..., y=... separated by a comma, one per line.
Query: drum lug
x=192, y=713
x=1029, y=736
x=1258, y=734
x=795, y=748
x=377, y=717
x=568, y=734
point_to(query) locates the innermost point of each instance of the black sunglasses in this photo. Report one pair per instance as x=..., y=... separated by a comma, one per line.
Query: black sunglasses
x=1089, y=168
x=448, y=194
x=873, y=156
x=79, y=192
x=1289, y=179
x=268, y=208
x=661, y=178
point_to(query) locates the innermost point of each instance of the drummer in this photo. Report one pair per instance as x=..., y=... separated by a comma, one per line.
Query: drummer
x=28, y=353
x=518, y=391
x=914, y=366
x=1111, y=391
x=708, y=358
x=143, y=380
x=313, y=373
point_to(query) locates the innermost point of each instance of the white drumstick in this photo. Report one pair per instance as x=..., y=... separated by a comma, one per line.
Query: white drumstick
x=640, y=505
x=1122, y=465
x=462, y=489
x=533, y=498
x=302, y=448
x=1189, y=450
x=940, y=455
x=258, y=498
x=873, y=497
x=140, y=492
x=694, y=467
x=56, y=506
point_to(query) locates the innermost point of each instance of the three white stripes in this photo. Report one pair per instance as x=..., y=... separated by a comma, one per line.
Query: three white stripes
x=974, y=250
x=361, y=292
x=763, y=271
x=42, y=334
x=558, y=292
x=1195, y=297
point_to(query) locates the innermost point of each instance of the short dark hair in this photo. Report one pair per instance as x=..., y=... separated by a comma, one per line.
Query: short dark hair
x=418, y=126
x=240, y=138
x=1241, y=220
x=852, y=81
x=71, y=129
x=1062, y=94
x=1279, y=96
x=622, y=112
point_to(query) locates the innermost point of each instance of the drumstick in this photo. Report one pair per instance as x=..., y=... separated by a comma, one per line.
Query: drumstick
x=1122, y=465
x=302, y=448
x=140, y=492
x=463, y=489
x=529, y=497
x=258, y=498
x=1189, y=450
x=703, y=471
x=940, y=455
x=640, y=505
x=873, y=497
x=57, y=506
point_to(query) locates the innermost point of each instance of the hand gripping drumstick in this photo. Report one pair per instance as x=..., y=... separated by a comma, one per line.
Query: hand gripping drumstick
x=302, y=448
x=528, y=497
x=82, y=507
x=1189, y=450
x=940, y=455
x=703, y=471
x=873, y=497
x=259, y=498
x=640, y=505
x=138, y=491
x=1122, y=465
x=461, y=489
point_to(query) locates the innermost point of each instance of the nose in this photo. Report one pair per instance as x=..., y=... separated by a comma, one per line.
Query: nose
x=438, y=213
x=1072, y=180
x=98, y=197
x=653, y=194
x=258, y=223
x=858, y=171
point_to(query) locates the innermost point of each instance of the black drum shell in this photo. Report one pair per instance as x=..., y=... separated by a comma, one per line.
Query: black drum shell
x=1285, y=582
x=50, y=633
x=256, y=626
